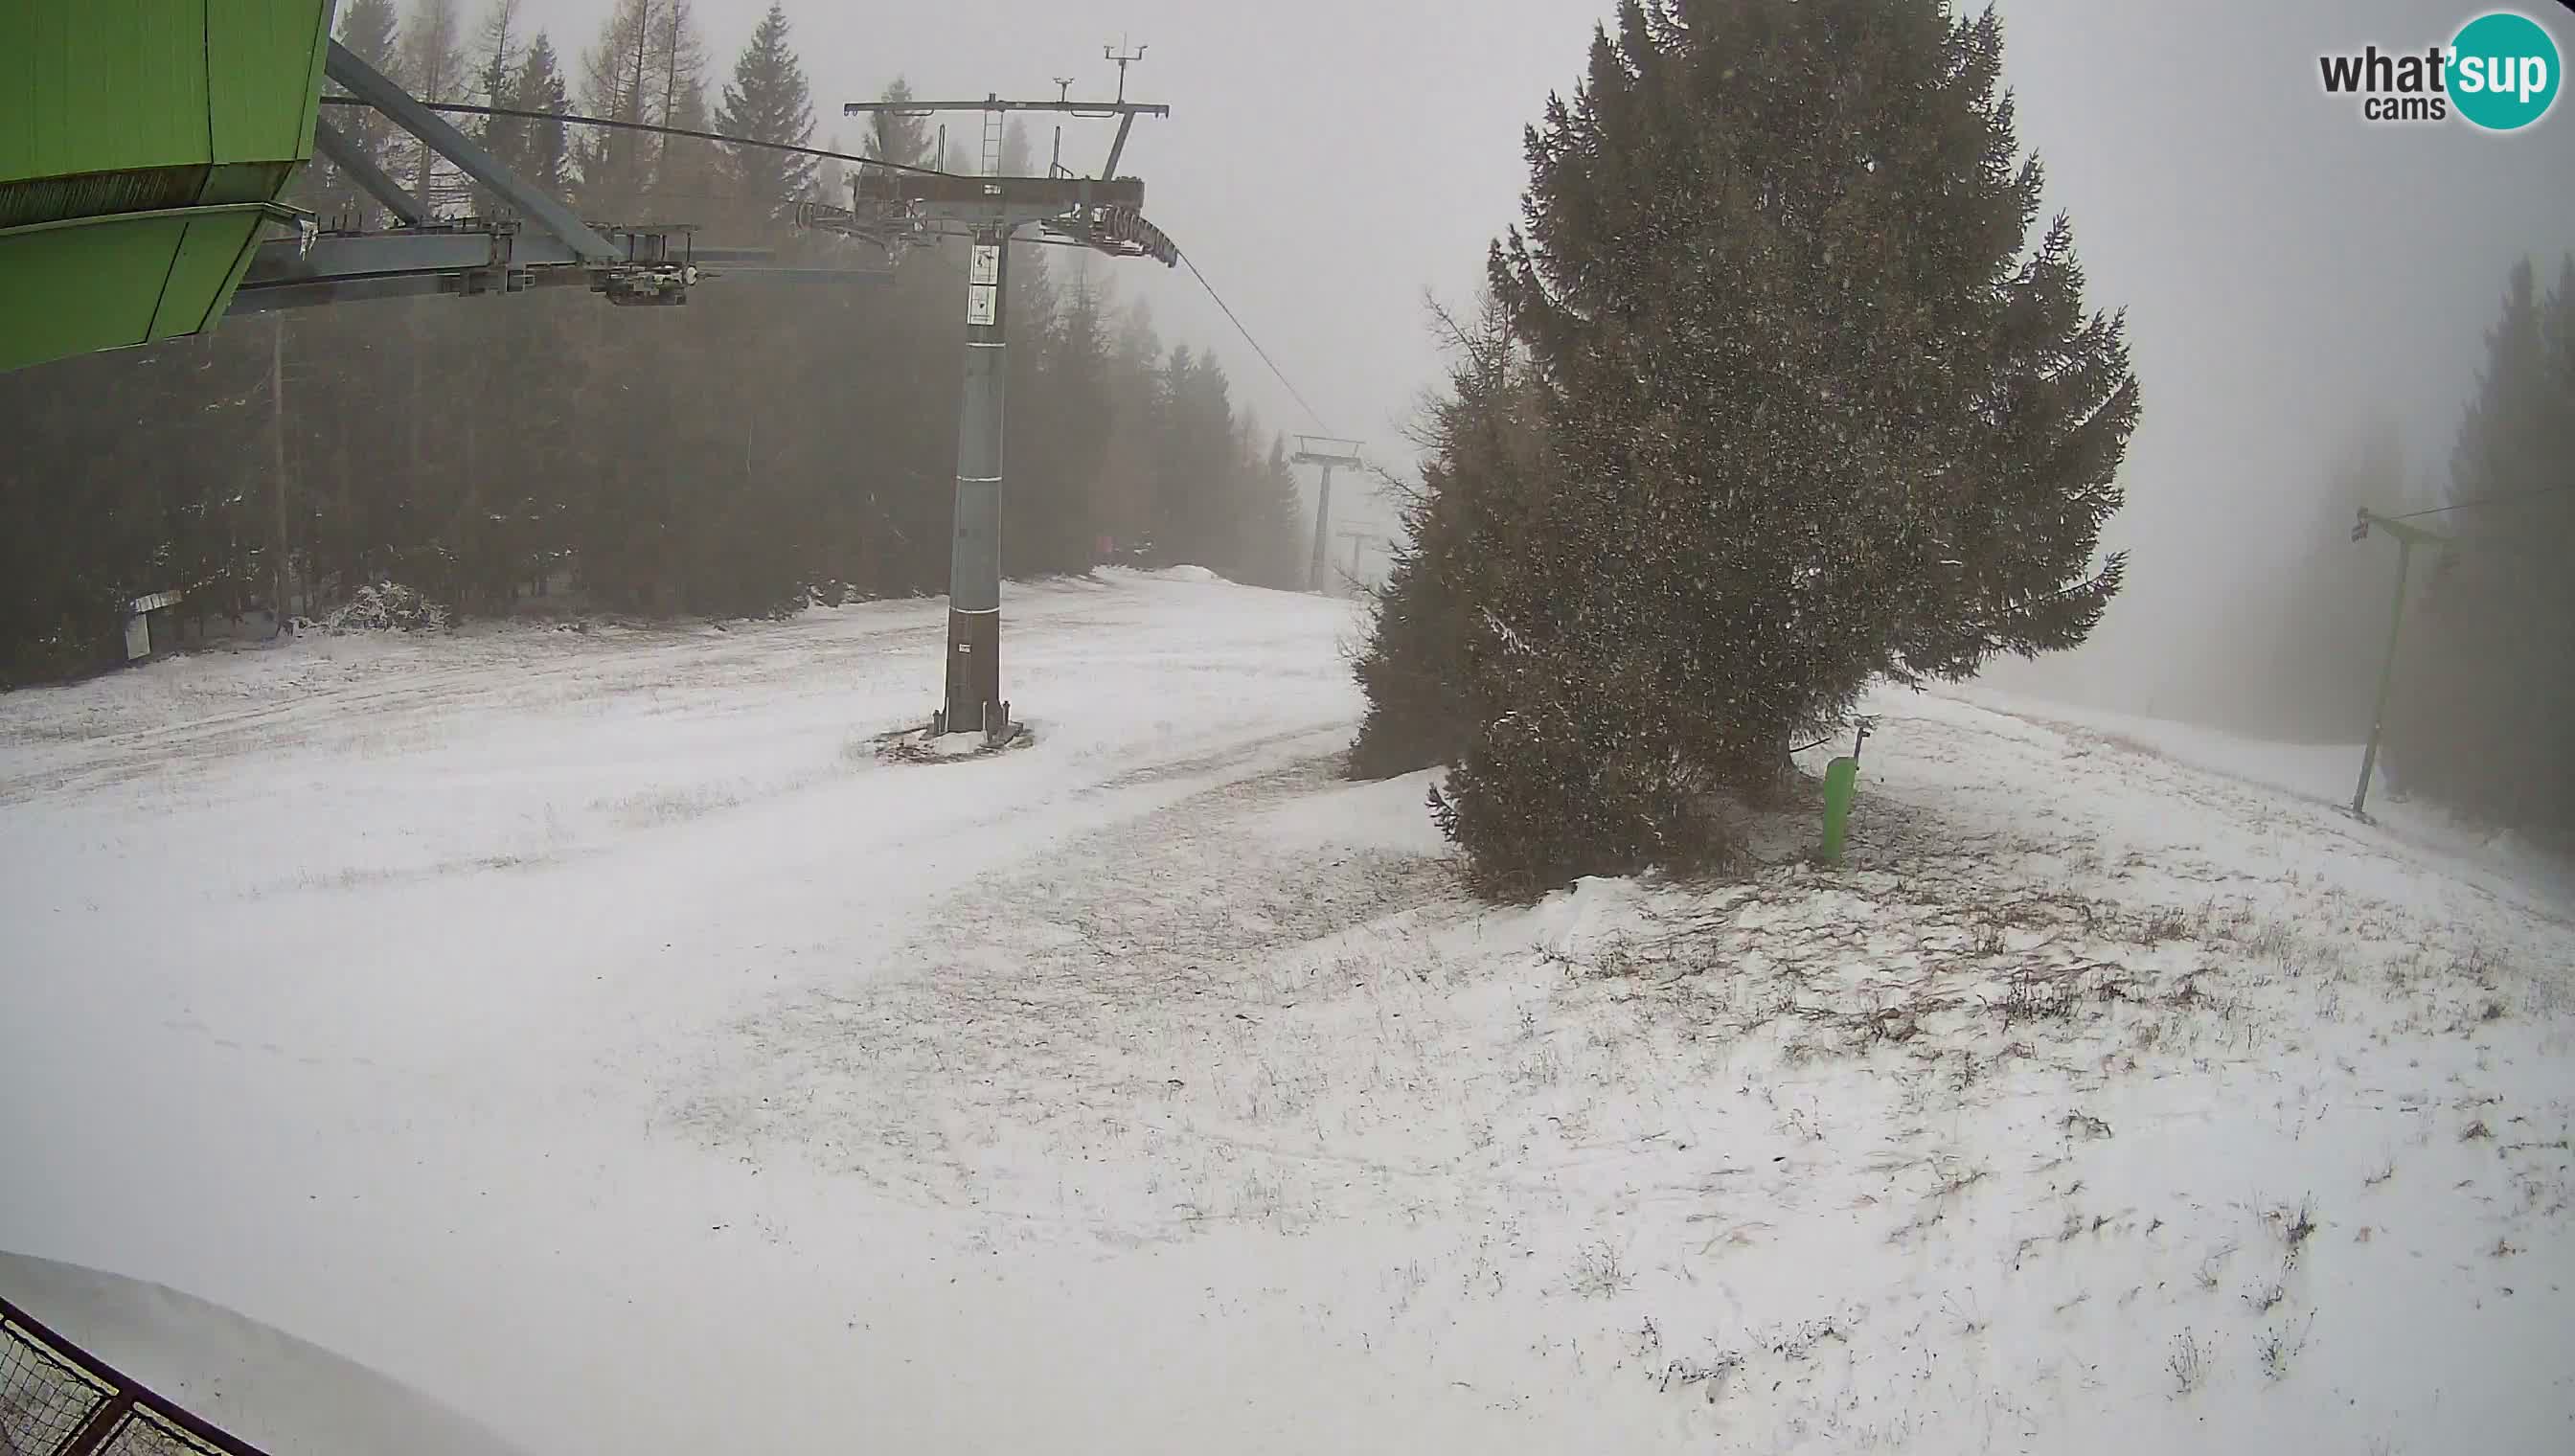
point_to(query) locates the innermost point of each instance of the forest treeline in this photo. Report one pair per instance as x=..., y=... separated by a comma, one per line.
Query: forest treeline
x=2482, y=701
x=775, y=442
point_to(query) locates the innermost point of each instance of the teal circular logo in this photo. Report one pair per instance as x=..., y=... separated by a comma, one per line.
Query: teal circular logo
x=2503, y=71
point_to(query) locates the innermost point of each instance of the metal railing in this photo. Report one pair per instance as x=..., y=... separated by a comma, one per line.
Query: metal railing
x=57, y=1399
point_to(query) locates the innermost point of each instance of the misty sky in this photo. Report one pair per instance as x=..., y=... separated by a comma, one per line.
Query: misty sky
x=2287, y=267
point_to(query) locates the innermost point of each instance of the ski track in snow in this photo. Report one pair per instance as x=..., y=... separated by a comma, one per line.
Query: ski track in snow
x=587, y=1029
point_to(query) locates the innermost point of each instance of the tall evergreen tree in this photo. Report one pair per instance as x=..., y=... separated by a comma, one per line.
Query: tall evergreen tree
x=545, y=148
x=1816, y=408
x=896, y=137
x=766, y=101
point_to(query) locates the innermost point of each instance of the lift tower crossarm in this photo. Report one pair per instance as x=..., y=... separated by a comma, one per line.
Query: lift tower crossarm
x=996, y=103
x=1125, y=111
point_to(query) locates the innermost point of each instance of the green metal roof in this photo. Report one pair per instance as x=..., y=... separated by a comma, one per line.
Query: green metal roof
x=143, y=145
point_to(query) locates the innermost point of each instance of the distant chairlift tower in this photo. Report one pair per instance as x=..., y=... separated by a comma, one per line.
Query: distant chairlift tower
x=1331, y=454
x=911, y=209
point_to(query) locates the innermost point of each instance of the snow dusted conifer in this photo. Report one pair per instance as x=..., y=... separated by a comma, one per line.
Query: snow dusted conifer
x=766, y=101
x=1817, y=404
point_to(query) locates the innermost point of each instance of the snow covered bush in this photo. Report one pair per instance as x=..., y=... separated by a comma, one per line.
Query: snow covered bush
x=1538, y=802
x=384, y=607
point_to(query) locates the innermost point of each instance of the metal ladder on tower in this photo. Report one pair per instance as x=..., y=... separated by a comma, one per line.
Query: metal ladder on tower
x=993, y=127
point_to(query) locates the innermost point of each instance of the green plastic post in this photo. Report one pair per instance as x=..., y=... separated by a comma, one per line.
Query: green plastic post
x=1841, y=780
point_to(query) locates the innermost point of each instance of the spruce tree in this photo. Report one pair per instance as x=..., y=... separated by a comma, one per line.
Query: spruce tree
x=766, y=101
x=545, y=149
x=895, y=137
x=1818, y=408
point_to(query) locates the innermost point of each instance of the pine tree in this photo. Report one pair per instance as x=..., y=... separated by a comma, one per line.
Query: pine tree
x=895, y=137
x=544, y=149
x=1483, y=454
x=766, y=101
x=1812, y=412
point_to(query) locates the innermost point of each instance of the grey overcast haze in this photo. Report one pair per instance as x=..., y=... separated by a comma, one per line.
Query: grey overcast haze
x=2288, y=268
x=772, y=875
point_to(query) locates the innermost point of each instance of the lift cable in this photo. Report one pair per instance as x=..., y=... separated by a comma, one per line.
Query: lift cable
x=1311, y=411
x=458, y=108
x=2480, y=501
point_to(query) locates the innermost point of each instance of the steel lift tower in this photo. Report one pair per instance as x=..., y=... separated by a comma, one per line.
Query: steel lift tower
x=898, y=209
x=1331, y=454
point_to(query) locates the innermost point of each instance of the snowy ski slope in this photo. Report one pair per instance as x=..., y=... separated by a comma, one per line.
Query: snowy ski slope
x=585, y=1028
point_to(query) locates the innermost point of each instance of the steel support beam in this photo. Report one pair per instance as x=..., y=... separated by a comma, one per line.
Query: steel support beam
x=371, y=179
x=1100, y=110
x=1322, y=524
x=1118, y=148
x=973, y=689
x=362, y=255
x=377, y=90
x=351, y=267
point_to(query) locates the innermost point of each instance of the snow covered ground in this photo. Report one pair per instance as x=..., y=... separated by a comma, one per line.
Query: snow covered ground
x=588, y=1031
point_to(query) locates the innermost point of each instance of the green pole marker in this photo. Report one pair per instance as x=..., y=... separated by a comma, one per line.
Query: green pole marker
x=1841, y=784
x=1841, y=780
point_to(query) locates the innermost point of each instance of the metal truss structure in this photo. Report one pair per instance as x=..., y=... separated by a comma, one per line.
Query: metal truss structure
x=541, y=243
